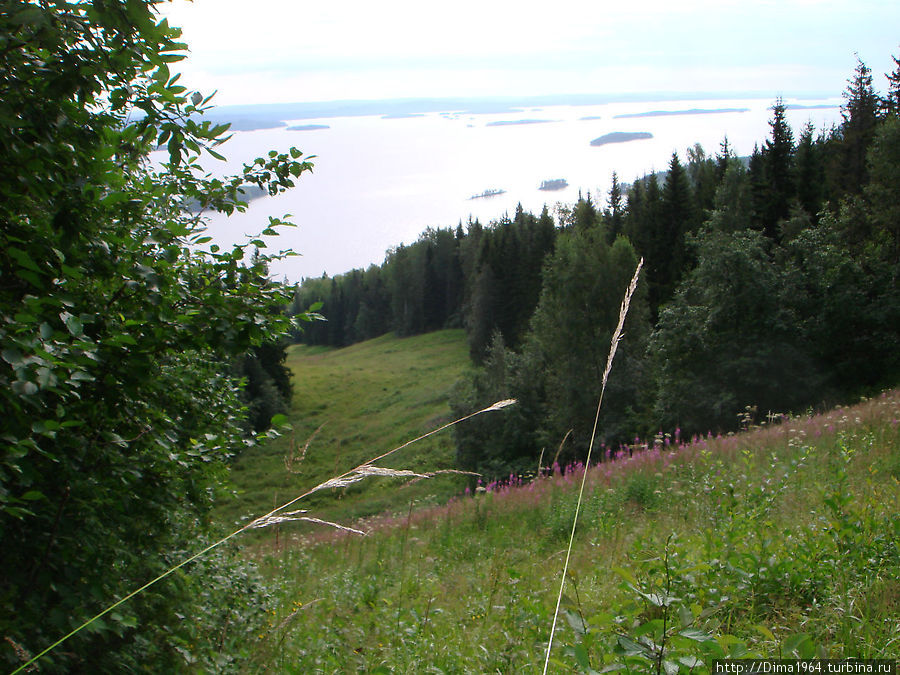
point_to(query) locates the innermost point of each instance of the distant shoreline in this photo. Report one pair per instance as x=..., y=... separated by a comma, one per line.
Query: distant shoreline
x=271, y=115
x=692, y=111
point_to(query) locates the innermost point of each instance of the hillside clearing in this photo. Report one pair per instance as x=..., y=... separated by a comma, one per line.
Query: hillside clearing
x=364, y=400
x=779, y=541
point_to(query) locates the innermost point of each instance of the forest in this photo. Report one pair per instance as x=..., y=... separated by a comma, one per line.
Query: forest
x=770, y=287
x=138, y=357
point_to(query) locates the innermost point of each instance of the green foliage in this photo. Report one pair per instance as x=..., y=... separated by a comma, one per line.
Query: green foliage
x=557, y=375
x=779, y=159
x=860, y=120
x=584, y=282
x=728, y=339
x=115, y=321
x=883, y=191
x=267, y=383
x=497, y=448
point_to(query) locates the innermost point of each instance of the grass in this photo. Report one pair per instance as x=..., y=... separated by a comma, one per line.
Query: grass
x=363, y=399
x=782, y=541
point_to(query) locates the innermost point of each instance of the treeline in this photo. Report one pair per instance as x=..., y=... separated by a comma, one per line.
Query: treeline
x=484, y=278
x=770, y=284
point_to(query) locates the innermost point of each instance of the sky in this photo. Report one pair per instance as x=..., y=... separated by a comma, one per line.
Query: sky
x=287, y=51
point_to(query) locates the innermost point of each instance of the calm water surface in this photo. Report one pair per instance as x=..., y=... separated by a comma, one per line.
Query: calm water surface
x=379, y=182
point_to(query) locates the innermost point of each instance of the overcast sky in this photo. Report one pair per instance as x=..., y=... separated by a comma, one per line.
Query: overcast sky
x=296, y=50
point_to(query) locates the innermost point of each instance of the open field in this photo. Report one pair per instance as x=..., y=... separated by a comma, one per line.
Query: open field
x=367, y=399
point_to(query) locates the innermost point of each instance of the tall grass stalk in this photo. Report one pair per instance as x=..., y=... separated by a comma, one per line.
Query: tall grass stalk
x=279, y=515
x=614, y=344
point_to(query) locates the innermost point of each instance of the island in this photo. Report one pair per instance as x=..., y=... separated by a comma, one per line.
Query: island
x=621, y=137
x=820, y=106
x=247, y=194
x=554, y=184
x=509, y=123
x=488, y=193
x=692, y=111
x=308, y=127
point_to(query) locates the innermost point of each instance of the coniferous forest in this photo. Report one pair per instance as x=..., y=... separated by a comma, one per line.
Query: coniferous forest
x=770, y=286
x=138, y=357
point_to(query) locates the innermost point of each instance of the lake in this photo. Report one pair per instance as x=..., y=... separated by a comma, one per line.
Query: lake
x=381, y=180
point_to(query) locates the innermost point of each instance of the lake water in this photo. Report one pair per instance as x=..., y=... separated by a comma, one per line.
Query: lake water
x=380, y=181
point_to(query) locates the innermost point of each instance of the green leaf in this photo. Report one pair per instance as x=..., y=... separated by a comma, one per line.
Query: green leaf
x=626, y=575
x=695, y=634
x=23, y=259
x=670, y=667
x=114, y=198
x=13, y=357
x=574, y=621
x=30, y=15
x=630, y=647
x=792, y=644
x=73, y=324
x=764, y=630
x=33, y=496
x=690, y=661
x=581, y=656
x=24, y=388
x=602, y=620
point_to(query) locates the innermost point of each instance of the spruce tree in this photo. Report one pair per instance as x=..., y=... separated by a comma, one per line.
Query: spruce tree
x=703, y=172
x=615, y=215
x=759, y=189
x=678, y=218
x=809, y=172
x=860, y=115
x=891, y=102
x=779, y=161
x=723, y=159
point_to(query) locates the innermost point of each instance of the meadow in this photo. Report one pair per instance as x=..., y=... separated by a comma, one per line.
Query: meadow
x=368, y=397
x=780, y=541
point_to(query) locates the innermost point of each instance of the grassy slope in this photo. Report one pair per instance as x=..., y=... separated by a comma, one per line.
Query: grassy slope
x=370, y=397
x=760, y=539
